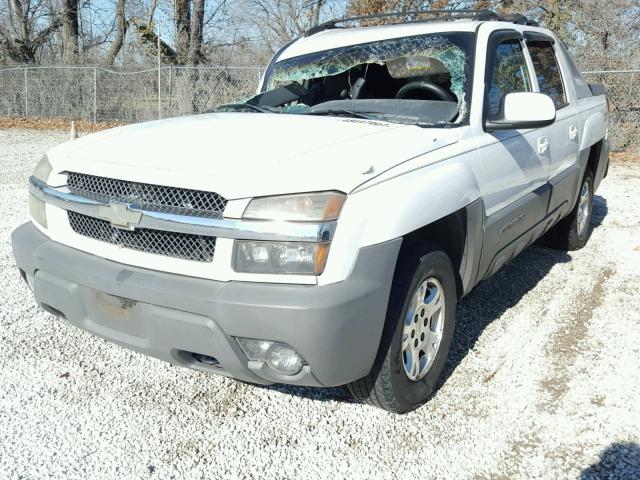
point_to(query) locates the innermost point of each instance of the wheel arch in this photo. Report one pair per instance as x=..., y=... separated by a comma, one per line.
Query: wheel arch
x=598, y=161
x=459, y=235
x=398, y=206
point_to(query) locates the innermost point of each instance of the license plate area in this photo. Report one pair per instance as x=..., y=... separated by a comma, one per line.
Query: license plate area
x=117, y=313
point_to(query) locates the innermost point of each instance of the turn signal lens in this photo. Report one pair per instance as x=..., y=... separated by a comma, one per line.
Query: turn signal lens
x=37, y=210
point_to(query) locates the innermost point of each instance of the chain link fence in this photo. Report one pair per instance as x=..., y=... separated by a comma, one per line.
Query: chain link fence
x=97, y=94
x=623, y=90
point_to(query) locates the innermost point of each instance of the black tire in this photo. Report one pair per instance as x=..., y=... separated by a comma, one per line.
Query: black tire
x=387, y=386
x=567, y=235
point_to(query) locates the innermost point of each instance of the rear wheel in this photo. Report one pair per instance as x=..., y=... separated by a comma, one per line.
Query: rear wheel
x=417, y=334
x=573, y=231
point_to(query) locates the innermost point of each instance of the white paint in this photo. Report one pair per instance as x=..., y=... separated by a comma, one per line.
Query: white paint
x=398, y=177
x=528, y=106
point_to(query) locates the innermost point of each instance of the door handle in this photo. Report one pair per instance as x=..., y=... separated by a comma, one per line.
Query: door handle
x=543, y=145
x=573, y=132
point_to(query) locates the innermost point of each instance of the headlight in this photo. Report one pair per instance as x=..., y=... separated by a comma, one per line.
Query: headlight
x=301, y=258
x=305, y=207
x=43, y=169
x=280, y=257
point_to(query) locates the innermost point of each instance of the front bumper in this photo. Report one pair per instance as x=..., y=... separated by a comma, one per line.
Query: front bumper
x=336, y=328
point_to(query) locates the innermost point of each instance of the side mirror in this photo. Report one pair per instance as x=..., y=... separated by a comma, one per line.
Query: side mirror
x=523, y=110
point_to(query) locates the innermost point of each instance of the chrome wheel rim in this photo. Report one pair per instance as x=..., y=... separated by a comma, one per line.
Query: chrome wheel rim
x=584, y=207
x=423, y=327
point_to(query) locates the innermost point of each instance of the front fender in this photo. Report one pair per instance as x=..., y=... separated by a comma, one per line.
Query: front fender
x=400, y=204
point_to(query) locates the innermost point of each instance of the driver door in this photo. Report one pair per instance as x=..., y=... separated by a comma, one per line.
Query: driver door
x=514, y=163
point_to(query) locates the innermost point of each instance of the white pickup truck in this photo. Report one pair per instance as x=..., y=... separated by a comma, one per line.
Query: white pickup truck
x=321, y=232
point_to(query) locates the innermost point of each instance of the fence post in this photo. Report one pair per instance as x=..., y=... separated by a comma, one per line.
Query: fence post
x=95, y=94
x=26, y=94
x=159, y=77
x=170, y=86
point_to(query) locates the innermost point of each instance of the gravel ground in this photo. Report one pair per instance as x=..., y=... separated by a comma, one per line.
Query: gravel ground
x=543, y=381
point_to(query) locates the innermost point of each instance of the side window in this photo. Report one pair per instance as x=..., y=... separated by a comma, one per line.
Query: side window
x=548, y=72
x=582, y=87
x=509, y=75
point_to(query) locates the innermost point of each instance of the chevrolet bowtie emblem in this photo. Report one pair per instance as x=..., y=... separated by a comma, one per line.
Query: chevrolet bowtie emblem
x=120, y=216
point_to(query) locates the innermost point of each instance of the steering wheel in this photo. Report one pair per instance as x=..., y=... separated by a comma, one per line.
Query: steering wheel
x=432, y=88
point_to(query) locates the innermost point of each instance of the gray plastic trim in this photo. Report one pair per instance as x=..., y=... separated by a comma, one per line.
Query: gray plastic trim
x=473, y=245
x=564, y=189
x=509, y=226
x=603, y=164
x=336, y=328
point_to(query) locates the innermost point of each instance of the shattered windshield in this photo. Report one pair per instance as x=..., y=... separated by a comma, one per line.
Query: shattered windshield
x=418, y=79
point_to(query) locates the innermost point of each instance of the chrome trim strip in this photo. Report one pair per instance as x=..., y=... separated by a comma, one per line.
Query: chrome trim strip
x=217, y=227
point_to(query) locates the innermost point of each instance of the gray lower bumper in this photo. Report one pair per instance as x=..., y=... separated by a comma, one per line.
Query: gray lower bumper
x=336, y=328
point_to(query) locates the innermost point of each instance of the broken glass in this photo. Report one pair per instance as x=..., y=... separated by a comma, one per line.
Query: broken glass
x=423, y=54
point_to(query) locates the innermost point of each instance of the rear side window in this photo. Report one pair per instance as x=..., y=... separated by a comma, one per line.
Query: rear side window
x=582, y=87
x=548, y=72
x=509, y=75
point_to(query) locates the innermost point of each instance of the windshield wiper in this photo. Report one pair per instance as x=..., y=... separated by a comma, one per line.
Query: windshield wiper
x=344, y=113
x=239, y=107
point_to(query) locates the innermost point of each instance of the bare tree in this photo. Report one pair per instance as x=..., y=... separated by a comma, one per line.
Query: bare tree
x=121, y=31
x=183, y=29
x=315, y=10
x=279, y=21
x=144, y=31
x=70, y=48
x=151, y=11
x=368, y=7
x=25, y=29
x=196, y=33
x=149, y=42
x=602, y=33
x=608, y=32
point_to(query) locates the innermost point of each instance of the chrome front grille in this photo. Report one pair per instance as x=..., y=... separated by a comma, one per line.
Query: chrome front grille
x=186, y=246
x=157, y=198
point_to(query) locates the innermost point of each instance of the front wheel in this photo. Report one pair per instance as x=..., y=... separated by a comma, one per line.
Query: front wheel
x=417, y=334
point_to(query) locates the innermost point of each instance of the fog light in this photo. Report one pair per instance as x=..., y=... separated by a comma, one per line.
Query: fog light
x=279, y=356
x=284, y=359
x=254, y=349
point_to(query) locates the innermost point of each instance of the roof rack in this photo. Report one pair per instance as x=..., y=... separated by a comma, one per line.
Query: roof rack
x=433, y=16
x=517, y=18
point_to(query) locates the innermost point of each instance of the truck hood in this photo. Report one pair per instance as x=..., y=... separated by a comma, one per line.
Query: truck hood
x=243, y=155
